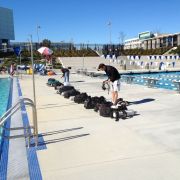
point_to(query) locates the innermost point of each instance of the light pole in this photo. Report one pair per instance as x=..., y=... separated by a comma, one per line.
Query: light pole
x=32, y=62
x=38, y=27
x=109, y=24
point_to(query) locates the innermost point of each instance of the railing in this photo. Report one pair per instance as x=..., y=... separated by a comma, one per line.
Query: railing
x=13, y=110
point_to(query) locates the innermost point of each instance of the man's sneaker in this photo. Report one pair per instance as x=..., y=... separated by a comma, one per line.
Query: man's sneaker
x=114, y=107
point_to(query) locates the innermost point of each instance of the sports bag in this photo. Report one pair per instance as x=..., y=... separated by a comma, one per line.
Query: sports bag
x=91, y=102
x=65, y=88
x=50, y=81
x=80, y=98
x=88, y=104
x=56, y=83
x=72, y=92
x=105, y=110
x=106, y=103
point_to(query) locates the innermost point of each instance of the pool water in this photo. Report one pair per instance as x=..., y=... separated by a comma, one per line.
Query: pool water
x=4, y=95
x=165, y=79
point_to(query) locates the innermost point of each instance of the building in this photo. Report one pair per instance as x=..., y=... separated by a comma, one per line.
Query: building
x=148, y=40
x=162, y=40
x=6, y=27
x=133, y=43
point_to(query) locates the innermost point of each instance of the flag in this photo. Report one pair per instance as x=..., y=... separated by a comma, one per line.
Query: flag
x=17, y=51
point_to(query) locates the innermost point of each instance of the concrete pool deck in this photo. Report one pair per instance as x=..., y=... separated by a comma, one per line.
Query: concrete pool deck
x=81, y=145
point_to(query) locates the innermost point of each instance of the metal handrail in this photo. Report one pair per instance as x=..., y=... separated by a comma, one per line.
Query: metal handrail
x=15, y=108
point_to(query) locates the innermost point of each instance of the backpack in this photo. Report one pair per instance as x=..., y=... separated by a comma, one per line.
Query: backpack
x=122, y=106
x=50, y=81
x=72, y=92
x=120, y=101
x=65, y=88
x=119, y=114
x=88, y=104
x=57, y=84
x=106, y=103
x=105, y=111
x=120, y=111
x=80, y=98
x=91, y=102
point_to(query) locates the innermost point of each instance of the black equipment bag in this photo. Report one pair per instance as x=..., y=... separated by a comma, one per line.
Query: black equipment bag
x=57, y=84
x=119, y=114
x=72, y=92
x=120, y=111
x=80, y=98
x=65, y=88
x=91, y=102
x=105, y=110
x=88, y=104
x=106, y=103
x=122, y=106
x=120, y=101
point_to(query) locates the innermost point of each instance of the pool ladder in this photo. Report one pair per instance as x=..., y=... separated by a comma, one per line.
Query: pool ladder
x=13, y=110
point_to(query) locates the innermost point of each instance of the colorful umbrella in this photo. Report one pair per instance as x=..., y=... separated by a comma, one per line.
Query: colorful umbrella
x=45, y=51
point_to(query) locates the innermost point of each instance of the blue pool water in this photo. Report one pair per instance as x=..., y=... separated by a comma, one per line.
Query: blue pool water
x=165, y=79
x=4, y=94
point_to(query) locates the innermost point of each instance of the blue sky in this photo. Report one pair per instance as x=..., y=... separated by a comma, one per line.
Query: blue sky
x=86, y=20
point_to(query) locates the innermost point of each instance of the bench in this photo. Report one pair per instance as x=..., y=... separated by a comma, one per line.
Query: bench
x=151, y=82
x=177, y=84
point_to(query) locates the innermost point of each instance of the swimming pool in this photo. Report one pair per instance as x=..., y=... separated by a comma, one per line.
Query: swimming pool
x=4, y=95
x=165, y=79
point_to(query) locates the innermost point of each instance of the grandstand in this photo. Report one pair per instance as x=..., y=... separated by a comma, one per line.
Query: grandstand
x=150, y=62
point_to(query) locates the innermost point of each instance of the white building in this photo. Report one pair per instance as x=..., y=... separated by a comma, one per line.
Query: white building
x=132, y=43
x=148, y=40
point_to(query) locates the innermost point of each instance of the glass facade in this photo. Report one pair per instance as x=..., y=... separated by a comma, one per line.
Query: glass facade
x=6, y=25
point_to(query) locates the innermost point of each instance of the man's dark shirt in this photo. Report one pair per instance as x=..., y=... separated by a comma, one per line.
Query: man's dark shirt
x=64, y=70
x=112, y=73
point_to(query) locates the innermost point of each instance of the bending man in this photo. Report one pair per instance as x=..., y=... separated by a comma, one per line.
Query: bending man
x=65, y=72
x=113, y=79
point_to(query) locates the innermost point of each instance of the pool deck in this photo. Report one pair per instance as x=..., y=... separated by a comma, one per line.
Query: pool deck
x=17, y=161
x=81, y=145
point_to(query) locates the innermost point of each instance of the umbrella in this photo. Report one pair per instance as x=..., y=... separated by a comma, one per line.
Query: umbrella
x=45, y=51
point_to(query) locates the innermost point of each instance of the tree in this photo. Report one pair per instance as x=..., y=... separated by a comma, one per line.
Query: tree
x=46, y=43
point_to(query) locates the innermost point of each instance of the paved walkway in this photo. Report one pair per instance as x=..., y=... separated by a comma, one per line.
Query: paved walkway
x=81, y=145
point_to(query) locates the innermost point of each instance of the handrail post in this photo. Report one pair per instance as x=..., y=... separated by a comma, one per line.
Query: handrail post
x=35, y=124
x=15, y=108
